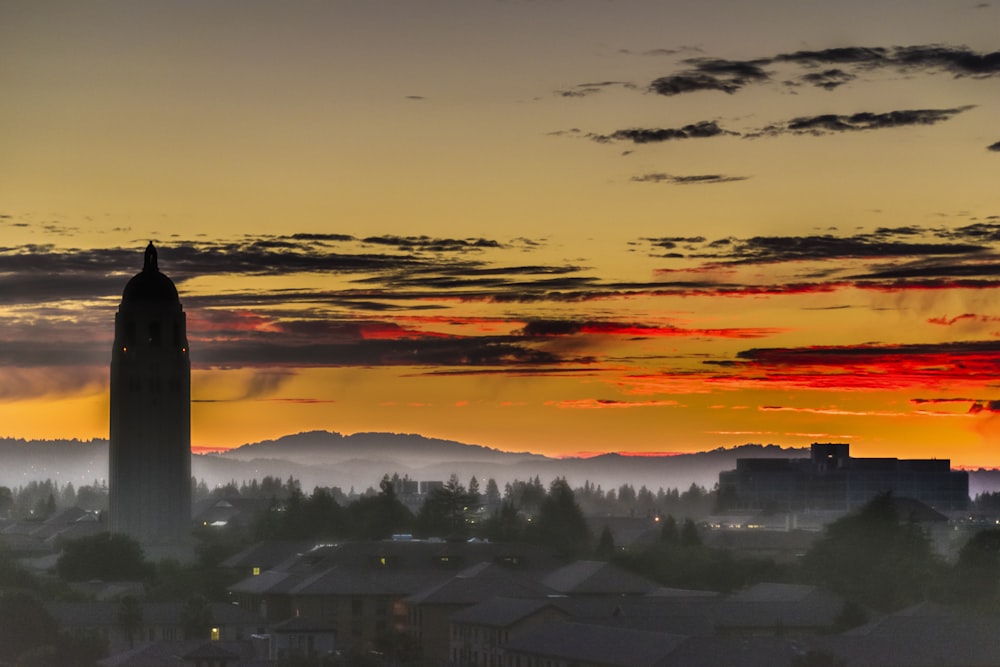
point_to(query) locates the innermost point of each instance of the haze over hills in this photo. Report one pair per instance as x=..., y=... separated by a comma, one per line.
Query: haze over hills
x=360, y=460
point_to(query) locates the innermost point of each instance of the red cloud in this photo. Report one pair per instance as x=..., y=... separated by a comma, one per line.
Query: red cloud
x=604, y=404
x=866, y=368
x=641, y=330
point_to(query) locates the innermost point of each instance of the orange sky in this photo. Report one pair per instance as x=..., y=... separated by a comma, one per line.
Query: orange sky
x=633, y=226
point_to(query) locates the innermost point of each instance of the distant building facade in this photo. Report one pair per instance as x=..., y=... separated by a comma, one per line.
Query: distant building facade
x=150, y=429
x=830, y=478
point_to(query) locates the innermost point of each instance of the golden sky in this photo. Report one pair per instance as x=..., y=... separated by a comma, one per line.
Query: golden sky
x=563, y=227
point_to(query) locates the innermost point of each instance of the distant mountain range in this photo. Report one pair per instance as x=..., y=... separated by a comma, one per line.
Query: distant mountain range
x=360, y=460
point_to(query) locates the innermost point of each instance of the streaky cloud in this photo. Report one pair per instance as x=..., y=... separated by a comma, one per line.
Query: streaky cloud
x=697, y=179
x=731, y=76
x=825, y=124
x=700, y=130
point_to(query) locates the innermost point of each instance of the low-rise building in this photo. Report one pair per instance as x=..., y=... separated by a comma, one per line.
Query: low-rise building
x=830, y=478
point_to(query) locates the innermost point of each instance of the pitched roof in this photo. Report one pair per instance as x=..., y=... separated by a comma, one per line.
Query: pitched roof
x=268, y=554
x=596, y=644
x=384, y=567
x=774, y=592
x=502, y=612
x=300, y=624
x=479, y=582
x=597, y=577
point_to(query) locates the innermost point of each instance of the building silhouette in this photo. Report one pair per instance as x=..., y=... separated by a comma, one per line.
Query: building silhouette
x=150, y=429
x=831, y=479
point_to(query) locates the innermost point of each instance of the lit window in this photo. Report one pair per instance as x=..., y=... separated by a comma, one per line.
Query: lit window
x=215, y=634
x=256, y=571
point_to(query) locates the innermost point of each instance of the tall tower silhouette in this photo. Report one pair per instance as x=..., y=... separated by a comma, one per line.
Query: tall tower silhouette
x=150, y=452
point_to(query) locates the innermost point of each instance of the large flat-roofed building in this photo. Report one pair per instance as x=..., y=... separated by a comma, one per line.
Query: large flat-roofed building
x=830, y=478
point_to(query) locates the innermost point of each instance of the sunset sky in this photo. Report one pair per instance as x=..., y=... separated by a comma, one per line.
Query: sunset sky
x=563, y=226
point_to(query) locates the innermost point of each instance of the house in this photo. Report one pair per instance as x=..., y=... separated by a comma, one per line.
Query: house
x=428, y=611
x=568, y=644
x=358, y=588
x=159, y=621
x=266, y=555
x=299, y=637
x=478, y=633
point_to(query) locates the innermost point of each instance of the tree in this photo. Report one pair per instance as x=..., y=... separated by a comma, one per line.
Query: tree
x=45, y=507
x=505, y=524
x=561, y=523
x=24, y=624
x=605, y=544
x=977, y=570
x=6, y=501
x=378, y=516
x=873, y=558
x=669, y=532
x=689, y=534
x=106, y=556
x=492, y=493
x=446, y=509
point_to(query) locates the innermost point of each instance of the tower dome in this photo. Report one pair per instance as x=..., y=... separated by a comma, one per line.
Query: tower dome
x=149, y=284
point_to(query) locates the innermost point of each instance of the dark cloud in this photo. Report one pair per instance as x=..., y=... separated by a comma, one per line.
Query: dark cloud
x=769, y=249
x=728, y=76
x=871, y=367
x=956, y=60
x=858, y=122
x=847, y=55
x=731, y=76
x=686, y=180
x=979, y=232
x=44, y=272
x=592, y=88
x=700, y=130
x=970, y=352
x=551, y=328
x=428, y=244
x=823, y=124
x=479, y=351
x=828, y=79
x=355, y=320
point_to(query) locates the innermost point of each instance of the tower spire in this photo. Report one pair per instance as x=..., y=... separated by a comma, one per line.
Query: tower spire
x=149, y=262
